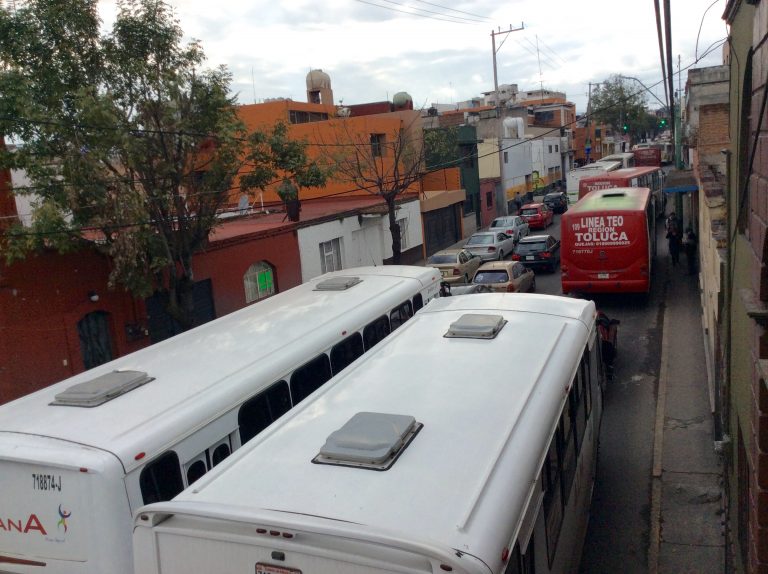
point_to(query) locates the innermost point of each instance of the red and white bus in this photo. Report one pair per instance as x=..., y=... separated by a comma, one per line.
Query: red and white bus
x=608, y=242
x=651, y=177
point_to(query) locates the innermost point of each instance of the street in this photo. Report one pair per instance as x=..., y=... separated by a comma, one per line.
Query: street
x=619, y=528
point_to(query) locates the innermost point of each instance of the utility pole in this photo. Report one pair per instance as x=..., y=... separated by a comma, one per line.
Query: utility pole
x=499, y=121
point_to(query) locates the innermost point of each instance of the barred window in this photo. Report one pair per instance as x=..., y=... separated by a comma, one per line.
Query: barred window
x=259, y=282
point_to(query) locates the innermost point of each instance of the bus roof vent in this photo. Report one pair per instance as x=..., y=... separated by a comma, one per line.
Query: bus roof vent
x=476, y=326
x=613, y=193
x=369, y=440
x=340, y=283
x=101, y=389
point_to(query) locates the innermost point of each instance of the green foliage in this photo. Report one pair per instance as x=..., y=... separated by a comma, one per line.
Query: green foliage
x=124, y=136
x=619, y=103
x=272, y=155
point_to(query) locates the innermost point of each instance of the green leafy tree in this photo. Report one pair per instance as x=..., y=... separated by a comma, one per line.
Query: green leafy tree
x=130, y=145
x=619, y=103
x=273, y=155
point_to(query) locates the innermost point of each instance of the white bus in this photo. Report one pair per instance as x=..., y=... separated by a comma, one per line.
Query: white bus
x=466, y=442
x=627, y=158
x=78, y=458
x=573, y=177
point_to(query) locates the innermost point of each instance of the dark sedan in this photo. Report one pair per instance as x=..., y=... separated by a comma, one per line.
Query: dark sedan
x=557, y=201
x=538, y=251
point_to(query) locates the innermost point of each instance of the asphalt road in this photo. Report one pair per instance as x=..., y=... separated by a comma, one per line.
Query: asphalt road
x=618, y=534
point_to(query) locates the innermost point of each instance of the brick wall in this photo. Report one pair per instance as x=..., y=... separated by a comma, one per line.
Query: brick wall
x=713, y=129
x=758, y=230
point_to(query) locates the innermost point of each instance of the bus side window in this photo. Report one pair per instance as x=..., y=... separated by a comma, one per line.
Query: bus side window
x=345, y=352
x=309, y=377
x=161, y=479
x=220, y=453
x=553, y=495
x=400, y=314
x=195, y=471
x=568, y=452
x=375, y=331
x=258, y=412
x=418, y=302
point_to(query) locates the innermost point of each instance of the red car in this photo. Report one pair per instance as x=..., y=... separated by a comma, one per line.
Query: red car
x=538, y=215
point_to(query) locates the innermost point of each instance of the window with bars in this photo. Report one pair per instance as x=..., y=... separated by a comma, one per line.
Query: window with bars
x=259, y=282
x=330, y=255
x=377, y=145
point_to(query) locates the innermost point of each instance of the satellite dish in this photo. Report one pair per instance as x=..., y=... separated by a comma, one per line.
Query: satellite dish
x=243, y=203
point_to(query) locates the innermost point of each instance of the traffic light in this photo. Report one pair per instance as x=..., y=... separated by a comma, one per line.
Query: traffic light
x=626, y=128
x=662, y=123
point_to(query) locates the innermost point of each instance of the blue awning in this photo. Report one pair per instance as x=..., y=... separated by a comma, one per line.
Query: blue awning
x=681, y=188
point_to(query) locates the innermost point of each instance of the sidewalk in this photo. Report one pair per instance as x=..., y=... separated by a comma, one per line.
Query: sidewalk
x=686, y=501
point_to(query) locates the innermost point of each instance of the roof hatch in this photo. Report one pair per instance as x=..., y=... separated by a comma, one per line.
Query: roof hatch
x=369, y=440
x=340, y=283
x=476, y=326
x=101, y=389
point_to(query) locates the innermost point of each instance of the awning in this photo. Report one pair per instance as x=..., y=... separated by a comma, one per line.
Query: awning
x=680, y=181
x=681, y=189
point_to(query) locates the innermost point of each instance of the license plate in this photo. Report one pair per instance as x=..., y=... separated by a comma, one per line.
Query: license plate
x=262, y=568
x=530, y=257
x=603, y=275
x=445, y=273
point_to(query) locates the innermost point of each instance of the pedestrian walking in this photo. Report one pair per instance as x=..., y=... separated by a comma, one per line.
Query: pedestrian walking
x=671, y=222
x=518, y=202
x=689, y=242
x=673, y=239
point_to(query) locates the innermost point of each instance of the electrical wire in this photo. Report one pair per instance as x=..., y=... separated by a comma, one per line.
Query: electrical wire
x=455, y=20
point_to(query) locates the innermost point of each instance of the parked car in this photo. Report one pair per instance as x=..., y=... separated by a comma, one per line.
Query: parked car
x=513, y=225
x=538, y=215
x=446, y=289
x=490, y=245
x=556, y=201
x=505, y=277
x=538, y=251
x=455, y=265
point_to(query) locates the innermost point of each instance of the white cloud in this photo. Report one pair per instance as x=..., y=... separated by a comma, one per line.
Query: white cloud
x=372, y=52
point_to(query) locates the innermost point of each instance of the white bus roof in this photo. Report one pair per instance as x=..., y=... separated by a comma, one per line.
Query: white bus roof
x=488, y=409
x=201, y=369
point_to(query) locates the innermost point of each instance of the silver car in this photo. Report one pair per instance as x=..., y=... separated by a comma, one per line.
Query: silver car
x=490, y=245
x=512, y=225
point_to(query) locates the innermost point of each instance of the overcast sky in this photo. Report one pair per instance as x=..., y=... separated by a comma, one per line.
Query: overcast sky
x=373, y=49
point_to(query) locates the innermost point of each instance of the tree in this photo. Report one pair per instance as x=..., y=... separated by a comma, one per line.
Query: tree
x=124, y=138
x=620, y=104
x=273, y=155
x=384, y=164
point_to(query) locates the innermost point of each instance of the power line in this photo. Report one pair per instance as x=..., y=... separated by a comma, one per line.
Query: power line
x=452, y=9
x=455, y=20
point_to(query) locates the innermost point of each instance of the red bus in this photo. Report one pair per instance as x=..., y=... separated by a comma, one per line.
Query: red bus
x=651, y=177
x=647, y=156
x=608, y=242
